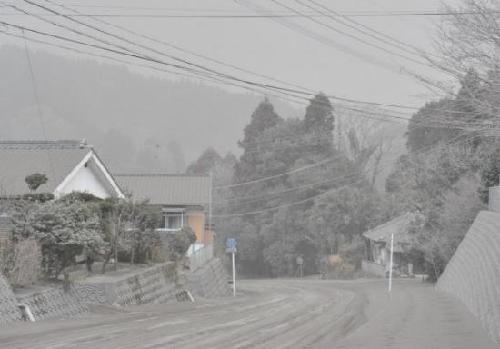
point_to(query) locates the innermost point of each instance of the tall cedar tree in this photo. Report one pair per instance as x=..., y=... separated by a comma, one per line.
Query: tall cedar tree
x=263, y=118
x=319, y=124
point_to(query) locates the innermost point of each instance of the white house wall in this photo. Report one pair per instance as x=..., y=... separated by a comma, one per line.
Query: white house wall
x=85, y=180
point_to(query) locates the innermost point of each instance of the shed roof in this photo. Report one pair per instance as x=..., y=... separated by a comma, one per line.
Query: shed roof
x=55, y=159
x=167, y=189
x=399, y=226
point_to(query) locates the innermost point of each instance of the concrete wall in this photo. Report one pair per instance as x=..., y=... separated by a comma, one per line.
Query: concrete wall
x=473, y=274
x=156, y=284
x=152, y=285
x=8, y=303
x=209, y=281
x=54, y=303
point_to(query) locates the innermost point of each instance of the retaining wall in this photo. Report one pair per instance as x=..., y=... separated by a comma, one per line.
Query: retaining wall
x=150, y=285
x=54, y=303
x=156, y=284
x=209, y=281
x=8, y=303
x=473, y=274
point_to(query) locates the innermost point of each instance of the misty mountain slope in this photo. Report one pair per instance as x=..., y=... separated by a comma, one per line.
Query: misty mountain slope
x=137, y=123
x=388, y=137
x=141, y=123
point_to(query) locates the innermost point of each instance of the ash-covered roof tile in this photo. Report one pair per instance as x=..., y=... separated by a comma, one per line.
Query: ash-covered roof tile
x=55, y=159
x=166, y=189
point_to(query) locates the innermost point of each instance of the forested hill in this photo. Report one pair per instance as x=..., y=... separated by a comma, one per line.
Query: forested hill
x=137, y=123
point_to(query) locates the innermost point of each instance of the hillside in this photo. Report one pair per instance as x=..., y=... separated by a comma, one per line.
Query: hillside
x=138, y=123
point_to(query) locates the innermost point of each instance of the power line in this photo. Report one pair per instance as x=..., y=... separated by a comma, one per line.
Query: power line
x=288, y=190
x=152, y=60
x=366, y=30
x=37, y=101
x=349, y=35
x=288, y=92
x=263, y=179
x=263, y=16
x=430, y=148
x=298, y=89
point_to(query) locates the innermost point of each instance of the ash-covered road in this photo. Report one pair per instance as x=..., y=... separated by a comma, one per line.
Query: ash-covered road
x=273, y=314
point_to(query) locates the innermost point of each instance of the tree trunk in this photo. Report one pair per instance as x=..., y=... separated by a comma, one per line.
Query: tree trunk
x=107, y=257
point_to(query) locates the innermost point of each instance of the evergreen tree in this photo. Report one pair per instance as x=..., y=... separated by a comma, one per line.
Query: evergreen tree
x=319, y=114
x=262, y=119
x=319, y=124
x=205, y=163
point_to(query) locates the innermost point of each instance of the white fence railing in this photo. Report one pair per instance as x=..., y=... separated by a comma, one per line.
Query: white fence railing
x=201, y=256
x=494, y=202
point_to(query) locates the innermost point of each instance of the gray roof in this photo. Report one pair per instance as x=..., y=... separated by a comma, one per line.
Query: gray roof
x=166, y=189
x=55, y=159
x=399, y=226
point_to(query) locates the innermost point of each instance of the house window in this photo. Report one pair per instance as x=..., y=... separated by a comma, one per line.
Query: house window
x=173, y=220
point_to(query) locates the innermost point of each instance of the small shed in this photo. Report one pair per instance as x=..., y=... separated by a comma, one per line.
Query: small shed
x=378, y=240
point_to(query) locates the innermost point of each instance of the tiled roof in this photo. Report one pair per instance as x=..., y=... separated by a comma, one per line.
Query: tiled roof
x=166, y=189
x=55, y=159
x=399, y=226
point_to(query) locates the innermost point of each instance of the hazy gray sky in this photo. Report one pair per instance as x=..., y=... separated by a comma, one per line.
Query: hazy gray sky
x=343, y=66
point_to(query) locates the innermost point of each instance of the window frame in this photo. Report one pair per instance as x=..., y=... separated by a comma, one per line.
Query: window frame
x=172, y=212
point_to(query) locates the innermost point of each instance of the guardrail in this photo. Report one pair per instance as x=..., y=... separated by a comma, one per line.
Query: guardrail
x=201, y=257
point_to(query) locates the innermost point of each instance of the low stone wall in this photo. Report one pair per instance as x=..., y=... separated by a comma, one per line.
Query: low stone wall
x=156, y=284
x=8, y=304
x=209, y=281
x=54, y=303
x=473, y=274
x=152, y=285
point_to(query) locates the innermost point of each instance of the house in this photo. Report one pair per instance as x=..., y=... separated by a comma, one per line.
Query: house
x=184, y=200
x=70, y=166
x=378, y=244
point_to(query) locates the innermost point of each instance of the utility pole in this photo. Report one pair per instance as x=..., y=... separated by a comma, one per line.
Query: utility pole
x=340, y=146
x=231, y=248
x=210, y=199
x=390, y=263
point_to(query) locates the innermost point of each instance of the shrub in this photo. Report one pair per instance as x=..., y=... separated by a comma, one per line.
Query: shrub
x=178, y=243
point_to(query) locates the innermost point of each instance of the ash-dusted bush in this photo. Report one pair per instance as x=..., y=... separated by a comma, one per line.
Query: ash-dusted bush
x=177, y=244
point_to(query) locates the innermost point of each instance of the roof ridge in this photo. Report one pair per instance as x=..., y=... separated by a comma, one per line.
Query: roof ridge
x=158, y=175
x=43, y=144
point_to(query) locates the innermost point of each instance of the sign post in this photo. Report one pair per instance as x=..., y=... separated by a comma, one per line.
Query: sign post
x=231, y=248
x=234, y=275
x=390, y=263
x=300, y=262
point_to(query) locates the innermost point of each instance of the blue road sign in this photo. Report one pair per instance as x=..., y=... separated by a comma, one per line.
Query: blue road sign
x=231, y=243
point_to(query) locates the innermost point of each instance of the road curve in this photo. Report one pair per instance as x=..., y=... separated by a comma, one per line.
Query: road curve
x=272, y=314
